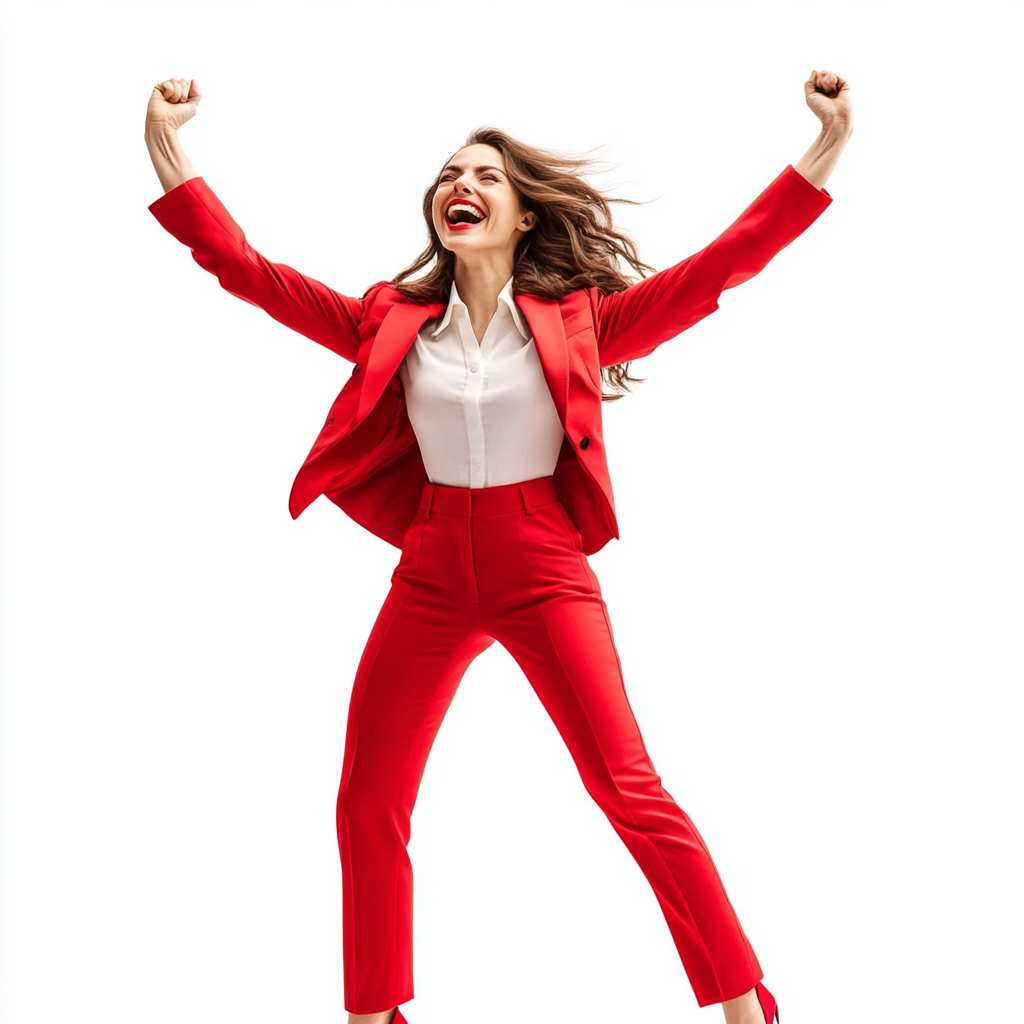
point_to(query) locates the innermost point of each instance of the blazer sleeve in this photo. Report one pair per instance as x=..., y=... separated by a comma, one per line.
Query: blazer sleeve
x=194, y=215
x=634, y=322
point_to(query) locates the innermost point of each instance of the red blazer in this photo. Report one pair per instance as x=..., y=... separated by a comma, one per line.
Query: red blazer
x=367, y=459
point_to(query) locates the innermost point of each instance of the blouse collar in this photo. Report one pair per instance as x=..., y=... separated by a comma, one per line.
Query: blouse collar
x=505, y=295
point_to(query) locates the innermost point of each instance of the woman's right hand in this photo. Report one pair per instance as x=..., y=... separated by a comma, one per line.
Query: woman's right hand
x=172, y=103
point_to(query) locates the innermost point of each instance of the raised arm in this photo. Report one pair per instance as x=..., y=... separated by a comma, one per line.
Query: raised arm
x=828, y=96
x=634, y=322
x=191, y=212
x=171, y=104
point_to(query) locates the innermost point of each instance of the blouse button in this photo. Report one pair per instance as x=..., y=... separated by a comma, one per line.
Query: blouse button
x=474, y=368
x=585, y=443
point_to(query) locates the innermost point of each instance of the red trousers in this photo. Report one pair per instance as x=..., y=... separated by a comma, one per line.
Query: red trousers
x=506, y=563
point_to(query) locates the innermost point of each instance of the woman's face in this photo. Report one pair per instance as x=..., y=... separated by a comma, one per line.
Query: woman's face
x=475, y=207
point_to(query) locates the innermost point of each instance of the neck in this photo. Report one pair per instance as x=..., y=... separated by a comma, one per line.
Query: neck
x=479, y=285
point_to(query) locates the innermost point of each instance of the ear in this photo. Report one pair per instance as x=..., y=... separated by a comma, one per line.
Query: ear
x=527, y=221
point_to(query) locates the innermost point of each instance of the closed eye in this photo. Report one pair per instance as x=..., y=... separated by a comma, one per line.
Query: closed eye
x=483, y=171
x=486, y=177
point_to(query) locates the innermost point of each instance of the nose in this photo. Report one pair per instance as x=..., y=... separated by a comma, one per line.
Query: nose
x=460, y=185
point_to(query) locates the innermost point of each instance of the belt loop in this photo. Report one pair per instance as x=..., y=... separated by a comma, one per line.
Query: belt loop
x=430, y=498
x=526, y=499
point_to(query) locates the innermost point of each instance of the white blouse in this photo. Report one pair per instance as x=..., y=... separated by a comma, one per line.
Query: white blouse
x=481, y=411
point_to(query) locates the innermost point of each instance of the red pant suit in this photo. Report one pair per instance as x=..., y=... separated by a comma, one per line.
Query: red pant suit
x=505, y=564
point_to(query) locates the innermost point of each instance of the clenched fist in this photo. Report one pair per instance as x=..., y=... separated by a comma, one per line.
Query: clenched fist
x=828, y=96
x=172, y=103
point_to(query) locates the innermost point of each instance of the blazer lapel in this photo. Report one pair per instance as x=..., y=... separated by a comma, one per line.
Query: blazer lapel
x=545, y=319
x=394, y=338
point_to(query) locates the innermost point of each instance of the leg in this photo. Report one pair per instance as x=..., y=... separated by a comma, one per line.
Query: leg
x=563, y=641
x=387, y=1017
x=410, y=669
x=744, y=1009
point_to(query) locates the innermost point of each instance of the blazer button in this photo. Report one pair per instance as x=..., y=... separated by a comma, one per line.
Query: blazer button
x=330, y=422
x=356, y=369
x=585, y=443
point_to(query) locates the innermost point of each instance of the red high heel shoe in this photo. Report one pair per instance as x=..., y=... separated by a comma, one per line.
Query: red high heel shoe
x=768, y=1004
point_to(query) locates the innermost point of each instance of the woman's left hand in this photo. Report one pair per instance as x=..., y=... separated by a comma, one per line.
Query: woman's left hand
x=828, y=96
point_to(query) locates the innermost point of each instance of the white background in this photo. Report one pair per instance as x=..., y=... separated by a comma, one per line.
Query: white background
x=817, y=593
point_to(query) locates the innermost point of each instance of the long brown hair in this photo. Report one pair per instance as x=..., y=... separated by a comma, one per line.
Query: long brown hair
x=572, y=245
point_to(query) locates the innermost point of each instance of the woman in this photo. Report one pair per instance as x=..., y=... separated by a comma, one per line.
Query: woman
x=469, y=435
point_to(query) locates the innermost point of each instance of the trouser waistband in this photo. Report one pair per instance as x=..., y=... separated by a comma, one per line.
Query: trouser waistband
x=488, y=501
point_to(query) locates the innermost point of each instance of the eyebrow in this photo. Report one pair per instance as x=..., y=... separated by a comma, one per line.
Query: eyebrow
x=482, y=167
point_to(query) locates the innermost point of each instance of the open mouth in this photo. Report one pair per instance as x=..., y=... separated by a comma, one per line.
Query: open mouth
x=464, y=215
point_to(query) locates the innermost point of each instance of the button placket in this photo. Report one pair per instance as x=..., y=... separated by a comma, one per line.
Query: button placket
x=472, y=398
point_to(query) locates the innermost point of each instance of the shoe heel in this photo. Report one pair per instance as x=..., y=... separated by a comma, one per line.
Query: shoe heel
x=768, y=1005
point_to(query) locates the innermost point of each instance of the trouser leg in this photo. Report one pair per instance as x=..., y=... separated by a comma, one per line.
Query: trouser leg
x=417, y=652
x=562, y=639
